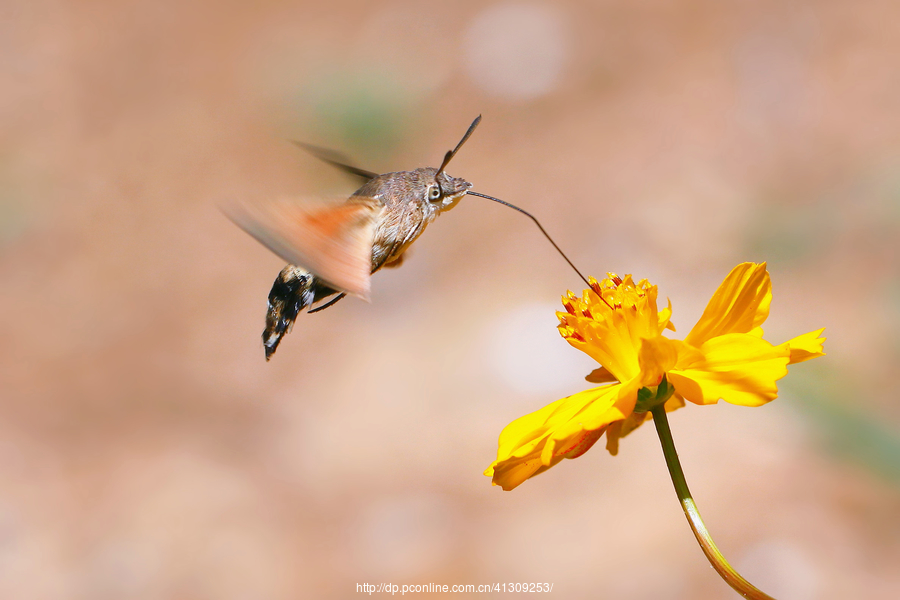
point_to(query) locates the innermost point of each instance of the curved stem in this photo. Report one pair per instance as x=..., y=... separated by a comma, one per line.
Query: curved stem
x=718, y=562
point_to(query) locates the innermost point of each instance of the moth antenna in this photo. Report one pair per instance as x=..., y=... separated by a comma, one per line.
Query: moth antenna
x=536, y=222
x=450, y=154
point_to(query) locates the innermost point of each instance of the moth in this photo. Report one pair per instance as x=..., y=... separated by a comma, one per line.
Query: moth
x=334, y=248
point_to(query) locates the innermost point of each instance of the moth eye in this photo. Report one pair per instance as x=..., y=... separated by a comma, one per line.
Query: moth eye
x=434, y=192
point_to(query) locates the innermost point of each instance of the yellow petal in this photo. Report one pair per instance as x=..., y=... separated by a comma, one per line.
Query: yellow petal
x=738, y=367
x=511, y=473
x=806, y=346
x=613, y=433
x=600, y=375
x=565, y=429
x=664, y=318
x=657, y=355
x=739, y=305
x=529, y=433
x=620, y=429
x=675, y=402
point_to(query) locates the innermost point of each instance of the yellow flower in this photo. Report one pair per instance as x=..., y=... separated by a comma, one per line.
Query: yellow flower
x=617, y=323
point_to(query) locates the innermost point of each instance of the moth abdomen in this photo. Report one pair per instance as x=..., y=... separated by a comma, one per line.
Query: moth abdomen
x=294, y=289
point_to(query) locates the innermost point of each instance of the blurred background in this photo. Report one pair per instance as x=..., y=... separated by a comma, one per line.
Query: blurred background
x=147, y=450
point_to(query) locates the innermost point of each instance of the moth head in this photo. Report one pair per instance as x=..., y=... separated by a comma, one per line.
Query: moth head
x=443, y=192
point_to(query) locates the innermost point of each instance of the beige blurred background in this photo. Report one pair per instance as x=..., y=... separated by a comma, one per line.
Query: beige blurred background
x=147, y=450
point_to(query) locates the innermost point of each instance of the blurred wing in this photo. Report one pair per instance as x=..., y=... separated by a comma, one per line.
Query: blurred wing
x=331, y=240
x=336, y=159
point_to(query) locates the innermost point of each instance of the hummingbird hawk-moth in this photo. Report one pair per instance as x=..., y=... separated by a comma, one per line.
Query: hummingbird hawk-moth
x=333, y=248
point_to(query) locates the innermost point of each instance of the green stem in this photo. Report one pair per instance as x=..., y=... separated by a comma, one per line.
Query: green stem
x=718, y=562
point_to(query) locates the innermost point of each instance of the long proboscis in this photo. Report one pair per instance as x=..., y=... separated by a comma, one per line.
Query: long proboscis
x=541, y=227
